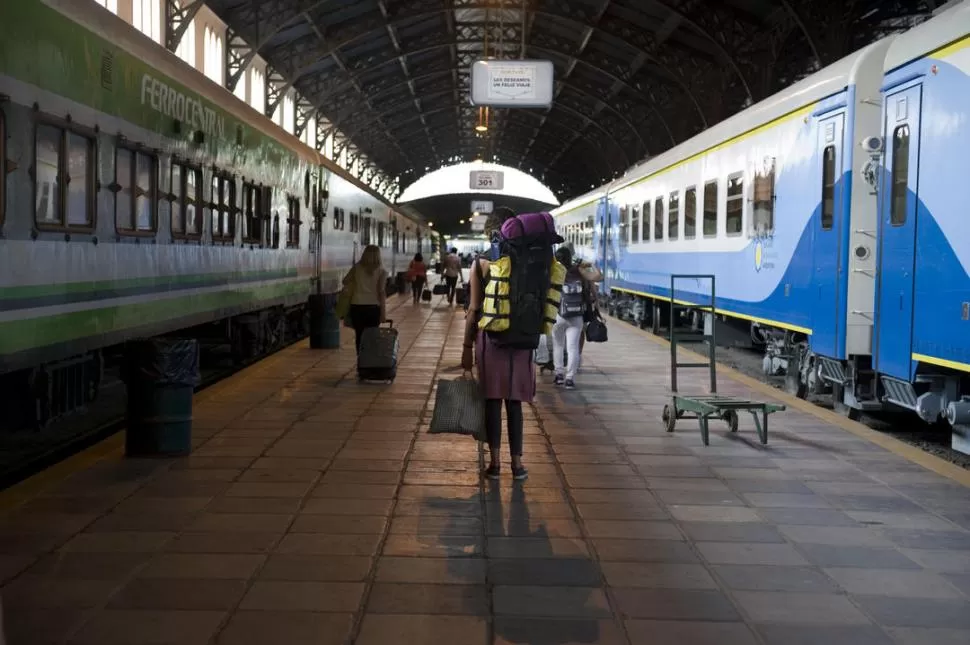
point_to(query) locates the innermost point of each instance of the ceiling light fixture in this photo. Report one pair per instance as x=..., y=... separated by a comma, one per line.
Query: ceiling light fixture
x=482, y=119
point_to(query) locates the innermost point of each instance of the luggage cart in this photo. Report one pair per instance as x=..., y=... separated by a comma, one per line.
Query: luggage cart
x=705, y=407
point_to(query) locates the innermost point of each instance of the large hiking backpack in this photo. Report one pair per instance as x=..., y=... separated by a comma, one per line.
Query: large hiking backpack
x=524, y=288
x=573, y=296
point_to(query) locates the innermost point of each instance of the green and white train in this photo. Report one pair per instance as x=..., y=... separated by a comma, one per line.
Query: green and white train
x=139, y=198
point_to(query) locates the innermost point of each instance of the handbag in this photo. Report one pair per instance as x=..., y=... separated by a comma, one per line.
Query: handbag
x=426, y=295
x=346, y=296
x=459, y=408
x=596, y=330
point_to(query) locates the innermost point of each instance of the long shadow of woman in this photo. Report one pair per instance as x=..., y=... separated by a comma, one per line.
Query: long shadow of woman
x=543, y=605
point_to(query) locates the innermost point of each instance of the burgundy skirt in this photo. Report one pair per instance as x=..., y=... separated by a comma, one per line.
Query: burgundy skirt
x=504, y=373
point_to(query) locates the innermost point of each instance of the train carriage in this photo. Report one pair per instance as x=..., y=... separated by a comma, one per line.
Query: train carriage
x=922, y=334
x=141, y=198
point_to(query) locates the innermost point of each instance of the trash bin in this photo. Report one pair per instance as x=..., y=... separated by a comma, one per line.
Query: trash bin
x=160, y=375
x=402, y=282
x=324, y=324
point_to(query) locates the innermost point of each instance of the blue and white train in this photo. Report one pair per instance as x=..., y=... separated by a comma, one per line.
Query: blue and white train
x=834, y=218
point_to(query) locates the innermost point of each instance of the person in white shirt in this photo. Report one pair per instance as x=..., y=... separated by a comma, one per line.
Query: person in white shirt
x=452, y=271
x=368, y=280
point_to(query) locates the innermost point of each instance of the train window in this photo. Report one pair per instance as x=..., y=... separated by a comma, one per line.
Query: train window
x=276, y=231
x=223, y=204
x=763, y=213
x=645, y=235
x=624, y=225
x=64, y=178
x=673, y=216
x=735, y=204
x=828, y=187
x=900, y=176
x=690, y=213
x=3, y=167
x=186, y=183
x=590, y=223
x=255, y=211
x=293, y=223
x=635, y=223
x=380, y=234
x=658, y=218
x=135, y=187
x=306, y=188
x=710, y=209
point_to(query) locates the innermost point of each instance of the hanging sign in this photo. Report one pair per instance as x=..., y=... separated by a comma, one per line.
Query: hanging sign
x=486, y=180
x=512, y=83
x=478, y=222
x=482, y=207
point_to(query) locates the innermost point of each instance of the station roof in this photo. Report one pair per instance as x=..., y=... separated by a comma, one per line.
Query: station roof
x=633, y=77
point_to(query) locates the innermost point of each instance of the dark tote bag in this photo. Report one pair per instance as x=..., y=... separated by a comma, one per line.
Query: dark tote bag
x=596, y=330
x=459, y=409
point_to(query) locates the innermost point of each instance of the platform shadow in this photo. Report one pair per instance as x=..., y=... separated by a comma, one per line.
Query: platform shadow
x=525, y=576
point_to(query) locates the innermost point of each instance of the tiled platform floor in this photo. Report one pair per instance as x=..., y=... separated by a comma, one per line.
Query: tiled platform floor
x=318, y=511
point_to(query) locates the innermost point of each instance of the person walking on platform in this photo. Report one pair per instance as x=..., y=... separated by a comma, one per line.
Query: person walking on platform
x=368, y=281
x=592, y=275
x=568, y=330
x=418, y=274
x=506, y=373
x=452, y=271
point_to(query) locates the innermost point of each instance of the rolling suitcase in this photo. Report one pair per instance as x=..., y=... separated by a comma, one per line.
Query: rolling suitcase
x=377, y=360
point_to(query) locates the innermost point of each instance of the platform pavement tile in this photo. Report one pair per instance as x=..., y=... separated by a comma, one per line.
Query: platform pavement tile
x=46, y=522
x=807, y=517
x=439, y=507
x=454, y=571
x=929, y=636
x=380, y=629
x=436, y=525
x=685, y=513
x=179, y=593
x=42, y=626
x=418, y=598
x=223, y=542
x=675, y=604
x=952, y=540
x=223, y=566
x=303, y=595
x=86, y=566
x=888, y=504
x=321, y=568
x=291, y=463
x=30, y=591
x=509, y=630
x=334, y=506
x=961, y=581
x=619, y=511
x=356, y=491
x=359, y=477
x=826, y=555
x=916, y=521
x=745, y=577
x=148, y=627
x=290, y=627
x=184, y=489
x=689, y=484
x=541, y=601
x=894, y=582
x=669, y=551
x=772, y=607
x=367, y=464
x=119, y=542
x=541, y=511
x=698, y=498
x=657, y=575
x=254, y=505
x=239, y=522
x=835, y=535
x=279, y=475
x=655, y=632
x=433, y=547
x=753, y=554
x=916, y=612
x=785, y=500
x=536, y=547
x=640, y=497
x=732, y=532
x=626, y=529
x=564, y=571
x=824, y=635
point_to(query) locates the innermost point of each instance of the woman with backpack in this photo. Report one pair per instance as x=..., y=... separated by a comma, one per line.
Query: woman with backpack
x=506, y=374
x=418, y=274
x=567, y=333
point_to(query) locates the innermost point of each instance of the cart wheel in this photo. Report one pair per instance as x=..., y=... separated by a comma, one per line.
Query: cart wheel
x=731, y=417
x=669, y=418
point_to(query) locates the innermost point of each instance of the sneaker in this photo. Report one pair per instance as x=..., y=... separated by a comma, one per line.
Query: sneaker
x=520, y=473
x=569, y=384
x=493, y=472
x=558, y=380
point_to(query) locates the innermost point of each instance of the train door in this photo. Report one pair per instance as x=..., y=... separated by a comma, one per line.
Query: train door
x=604, y=214
x=827, y=319
x=897, y=234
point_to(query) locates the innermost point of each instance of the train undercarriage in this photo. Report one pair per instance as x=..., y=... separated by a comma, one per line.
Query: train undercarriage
x=38, y=396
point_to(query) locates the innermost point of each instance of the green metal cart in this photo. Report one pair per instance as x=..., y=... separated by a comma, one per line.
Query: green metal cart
x=705, y=407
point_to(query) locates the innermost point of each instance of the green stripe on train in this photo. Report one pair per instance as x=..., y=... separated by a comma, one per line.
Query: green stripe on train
x=22, y=335
x=182, y=281
x=42, y=47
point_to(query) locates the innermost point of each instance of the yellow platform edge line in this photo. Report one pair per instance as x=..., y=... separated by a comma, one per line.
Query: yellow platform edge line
x=112, y=447
x=910, y=453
